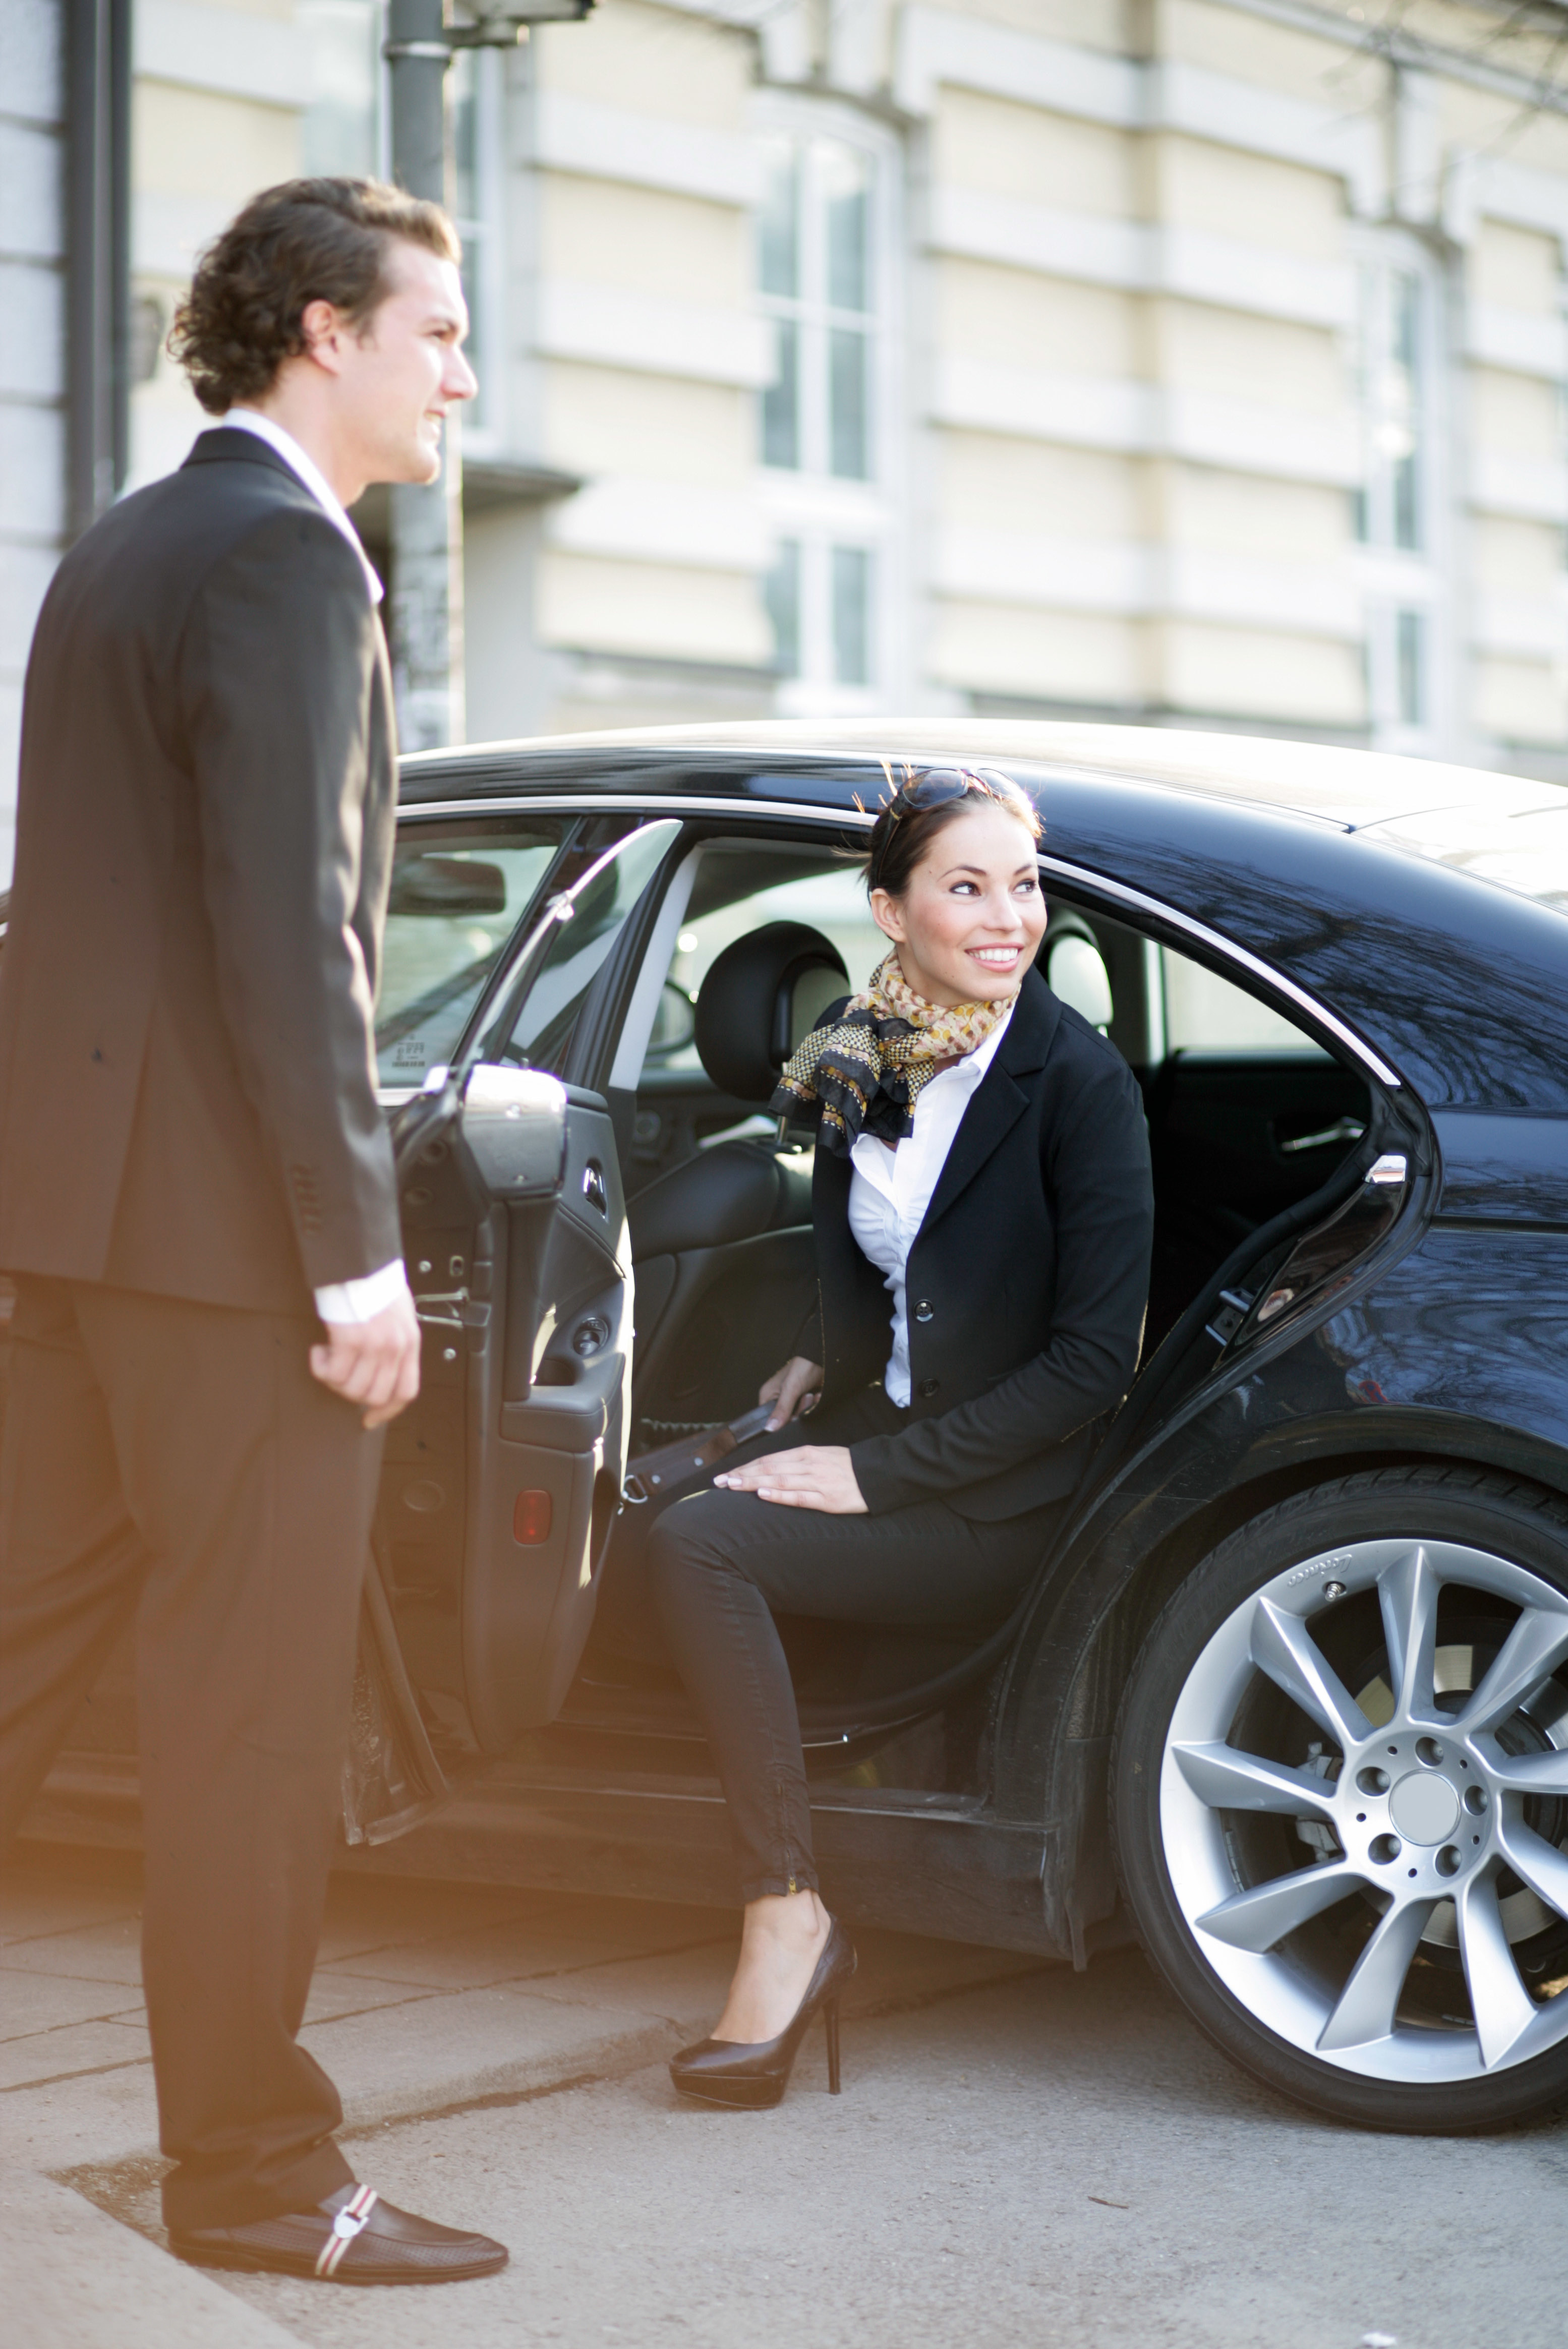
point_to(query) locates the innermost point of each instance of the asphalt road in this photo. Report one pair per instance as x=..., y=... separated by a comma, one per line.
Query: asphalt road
x=1047, y=2159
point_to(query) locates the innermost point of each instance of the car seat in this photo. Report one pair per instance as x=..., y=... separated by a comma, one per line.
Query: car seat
x=722, y=1243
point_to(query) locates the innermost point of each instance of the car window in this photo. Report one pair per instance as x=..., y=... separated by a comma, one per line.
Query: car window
x=727, y=903
x=538, y=1032
x=1205, y=1013
x=458, y=893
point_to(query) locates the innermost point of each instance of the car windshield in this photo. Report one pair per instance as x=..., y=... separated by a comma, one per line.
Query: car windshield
x=459, y=891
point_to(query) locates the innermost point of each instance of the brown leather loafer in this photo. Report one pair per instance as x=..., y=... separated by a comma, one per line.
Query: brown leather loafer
x=351, y=2238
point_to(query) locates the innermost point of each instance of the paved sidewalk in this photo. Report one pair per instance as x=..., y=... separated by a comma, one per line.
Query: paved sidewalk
x=427, y=1999
x=1023, y=2157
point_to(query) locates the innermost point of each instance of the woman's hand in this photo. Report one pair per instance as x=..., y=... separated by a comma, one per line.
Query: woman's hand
x=792, y=1392
x=818, y=1476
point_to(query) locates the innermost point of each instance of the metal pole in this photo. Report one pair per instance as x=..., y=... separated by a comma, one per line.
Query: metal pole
x=97, y=255
x=427, y=523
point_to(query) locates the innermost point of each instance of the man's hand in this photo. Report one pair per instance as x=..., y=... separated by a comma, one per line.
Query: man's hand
x=792, y=1392
x=818, y=1476
x=374, y=1363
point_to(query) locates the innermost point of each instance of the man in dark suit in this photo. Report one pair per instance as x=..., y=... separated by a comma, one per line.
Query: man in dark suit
x=195, y=1177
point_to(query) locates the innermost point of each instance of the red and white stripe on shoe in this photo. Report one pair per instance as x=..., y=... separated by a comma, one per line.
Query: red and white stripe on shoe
x=346, y=2224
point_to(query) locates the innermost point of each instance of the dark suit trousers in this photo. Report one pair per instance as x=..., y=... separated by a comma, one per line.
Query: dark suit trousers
x=720, y=1566
x=177, y=1464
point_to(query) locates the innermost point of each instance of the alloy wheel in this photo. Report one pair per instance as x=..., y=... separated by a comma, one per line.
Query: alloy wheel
x=1426, y=1939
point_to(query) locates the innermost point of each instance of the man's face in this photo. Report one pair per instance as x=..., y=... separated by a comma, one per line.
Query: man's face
x=405, y=370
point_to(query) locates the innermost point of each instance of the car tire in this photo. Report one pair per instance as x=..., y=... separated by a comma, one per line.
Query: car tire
x=1418, y=1980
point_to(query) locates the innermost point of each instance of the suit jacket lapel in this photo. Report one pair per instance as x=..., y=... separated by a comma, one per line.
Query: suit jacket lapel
x=1000, y=1099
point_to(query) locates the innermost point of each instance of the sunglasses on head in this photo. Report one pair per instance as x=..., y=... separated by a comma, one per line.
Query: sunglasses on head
x=940, y=786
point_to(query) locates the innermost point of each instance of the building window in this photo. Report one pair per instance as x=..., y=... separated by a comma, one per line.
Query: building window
x=1395, y=366
x=474, y=96
x=851, y=615
x=341, y=125
x=780, y=594
x=815, y=268
x=1410, y=668
x=821, y=600
x=827, y=427
x=1399, y=512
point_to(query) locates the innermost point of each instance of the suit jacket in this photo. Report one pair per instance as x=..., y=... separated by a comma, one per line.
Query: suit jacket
x=1026, y=1284
x=204, y=834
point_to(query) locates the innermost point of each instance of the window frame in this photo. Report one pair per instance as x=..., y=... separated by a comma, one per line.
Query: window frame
x=1407, y=592
x=379, y=124
x=483, y=421
x=812, y=509
x=1073, y=885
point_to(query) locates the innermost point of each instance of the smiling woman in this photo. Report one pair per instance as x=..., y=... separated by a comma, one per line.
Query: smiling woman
x=982, y=1162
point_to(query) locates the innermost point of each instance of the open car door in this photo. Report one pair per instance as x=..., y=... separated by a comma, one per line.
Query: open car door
x=502, y=1482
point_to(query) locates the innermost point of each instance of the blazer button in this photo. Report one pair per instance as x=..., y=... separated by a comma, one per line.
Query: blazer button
x=924, y=1309
x=927, y=1386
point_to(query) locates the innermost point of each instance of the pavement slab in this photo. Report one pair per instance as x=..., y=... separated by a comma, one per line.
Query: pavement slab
x=107, y=1951
x=55, y=2060
x=56, y=1889
x=31, y=2003
x=75, y=2277
x=550, y=1944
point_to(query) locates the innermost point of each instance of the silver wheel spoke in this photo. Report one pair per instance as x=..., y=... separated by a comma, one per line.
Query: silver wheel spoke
x=1285, y=1650
x=1537, y=1863
x=1501, y=2005
x=1412, y=1815
x=1407, y=1594
x=1370, y=1999
x=1531, y=1773
x=1257, y=1919
x=1532, y=1652
x=1230, y=1780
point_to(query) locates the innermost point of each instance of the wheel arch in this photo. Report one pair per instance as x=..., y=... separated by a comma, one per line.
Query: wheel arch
x=1056, y=1708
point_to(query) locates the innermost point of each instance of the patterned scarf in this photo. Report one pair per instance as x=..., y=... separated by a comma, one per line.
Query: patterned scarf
x=868, y=1069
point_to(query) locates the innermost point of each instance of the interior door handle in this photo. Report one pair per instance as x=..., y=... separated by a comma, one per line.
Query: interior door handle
x=1344, y=1129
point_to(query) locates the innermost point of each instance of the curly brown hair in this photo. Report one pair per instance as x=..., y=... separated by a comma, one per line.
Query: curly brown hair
x=306, y=241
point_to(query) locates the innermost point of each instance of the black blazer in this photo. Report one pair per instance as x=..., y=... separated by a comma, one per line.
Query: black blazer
x=1026, y=1285
x=204, y=835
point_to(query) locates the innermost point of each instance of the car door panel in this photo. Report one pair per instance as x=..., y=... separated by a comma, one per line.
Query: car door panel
x=506, y=1475
x=524, y=1412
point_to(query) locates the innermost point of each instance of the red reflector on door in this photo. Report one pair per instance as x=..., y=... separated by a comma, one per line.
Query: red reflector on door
x=531, y=1517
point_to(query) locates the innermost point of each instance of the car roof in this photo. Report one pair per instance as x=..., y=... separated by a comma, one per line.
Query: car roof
x=1508, y=829
x=1349, y=788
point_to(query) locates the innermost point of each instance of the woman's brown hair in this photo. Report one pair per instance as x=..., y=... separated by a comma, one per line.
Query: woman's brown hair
x=306, y=241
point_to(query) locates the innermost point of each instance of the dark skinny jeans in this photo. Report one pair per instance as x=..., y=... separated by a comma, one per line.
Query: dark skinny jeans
x=720, y=1565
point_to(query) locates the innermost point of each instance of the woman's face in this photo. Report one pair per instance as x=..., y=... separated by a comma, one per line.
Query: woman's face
x=971, y=922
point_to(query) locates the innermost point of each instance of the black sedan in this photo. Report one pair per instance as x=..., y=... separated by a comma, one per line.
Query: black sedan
x=1289, y=1699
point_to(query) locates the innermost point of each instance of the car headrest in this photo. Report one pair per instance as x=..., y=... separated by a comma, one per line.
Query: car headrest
x=760, y=997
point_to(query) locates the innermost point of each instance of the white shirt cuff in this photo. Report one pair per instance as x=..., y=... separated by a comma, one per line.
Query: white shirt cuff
x=361, y=1301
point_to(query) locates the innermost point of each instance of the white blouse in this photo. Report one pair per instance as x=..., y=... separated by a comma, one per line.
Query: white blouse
x=890, y=1190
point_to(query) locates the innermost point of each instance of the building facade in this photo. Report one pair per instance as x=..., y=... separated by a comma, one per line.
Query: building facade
x=32, y=350
x=1197, y=362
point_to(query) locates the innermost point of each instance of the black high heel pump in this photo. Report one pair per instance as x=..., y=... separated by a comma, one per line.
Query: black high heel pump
x=724, y=2071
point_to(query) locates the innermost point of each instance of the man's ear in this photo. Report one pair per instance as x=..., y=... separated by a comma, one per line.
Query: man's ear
x=322, y=326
